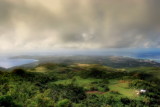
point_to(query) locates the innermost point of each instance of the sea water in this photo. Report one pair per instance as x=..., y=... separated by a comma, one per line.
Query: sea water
x=9, y=63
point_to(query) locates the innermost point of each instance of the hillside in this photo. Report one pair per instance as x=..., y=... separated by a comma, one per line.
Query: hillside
x=2, y=68
x=80, y=85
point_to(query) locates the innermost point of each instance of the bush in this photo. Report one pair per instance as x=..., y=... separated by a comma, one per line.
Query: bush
x=125, y=101
x=105, y=81
x=41, y=100
x=7, y=101
x=114, y=92
x=19, y=72
x=93, y=88
x=64, y=103
x=106, y=88
x=71, y=92
x=1, y=72
x=92, y=101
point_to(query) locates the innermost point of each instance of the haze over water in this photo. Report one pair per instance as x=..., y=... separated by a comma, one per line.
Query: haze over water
x=149, y=54
x=9, y=63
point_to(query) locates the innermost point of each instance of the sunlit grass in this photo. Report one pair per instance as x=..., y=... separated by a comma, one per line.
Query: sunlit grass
x=123, y=88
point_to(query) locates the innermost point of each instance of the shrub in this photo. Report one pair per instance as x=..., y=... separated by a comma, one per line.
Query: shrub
x=106, y=88
x=64, y=103
x=125, y=101
x=105, y=81
x=7, y=101
x=41, y=100
x=71, y=92
x=1, y=72
x=114, y=92
x=19, y=72
x=93, y=88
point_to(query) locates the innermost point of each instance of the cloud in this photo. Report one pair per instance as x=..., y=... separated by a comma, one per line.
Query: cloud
x=81, y=24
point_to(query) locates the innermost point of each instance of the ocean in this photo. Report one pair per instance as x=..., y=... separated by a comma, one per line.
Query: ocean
x=9, y=63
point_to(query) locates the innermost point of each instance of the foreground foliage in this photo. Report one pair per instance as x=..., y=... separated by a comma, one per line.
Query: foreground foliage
x=56, y=85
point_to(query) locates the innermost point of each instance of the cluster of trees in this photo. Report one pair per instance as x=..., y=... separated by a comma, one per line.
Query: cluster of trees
x=152, y=93
x=21, y=88
x=101, y=72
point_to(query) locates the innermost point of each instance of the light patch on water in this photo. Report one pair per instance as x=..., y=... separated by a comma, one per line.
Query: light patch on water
x=9, y=63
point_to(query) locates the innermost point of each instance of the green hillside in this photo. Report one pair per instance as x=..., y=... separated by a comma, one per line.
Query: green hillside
x=80, y=85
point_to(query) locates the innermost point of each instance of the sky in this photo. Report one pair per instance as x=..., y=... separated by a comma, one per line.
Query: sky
x=42, y=25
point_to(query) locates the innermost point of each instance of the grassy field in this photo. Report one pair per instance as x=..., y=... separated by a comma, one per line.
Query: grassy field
x=123, y=88
x=119, y=86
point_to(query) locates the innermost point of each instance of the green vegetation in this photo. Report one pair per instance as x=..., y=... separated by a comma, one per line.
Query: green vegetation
x=122, y=87
x=80, y=85
x=152, y=71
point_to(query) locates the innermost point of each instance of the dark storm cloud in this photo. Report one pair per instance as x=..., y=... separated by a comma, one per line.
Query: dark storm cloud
x=39, y=24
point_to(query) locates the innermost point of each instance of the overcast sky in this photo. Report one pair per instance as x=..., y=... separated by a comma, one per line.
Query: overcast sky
x=27, y=25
